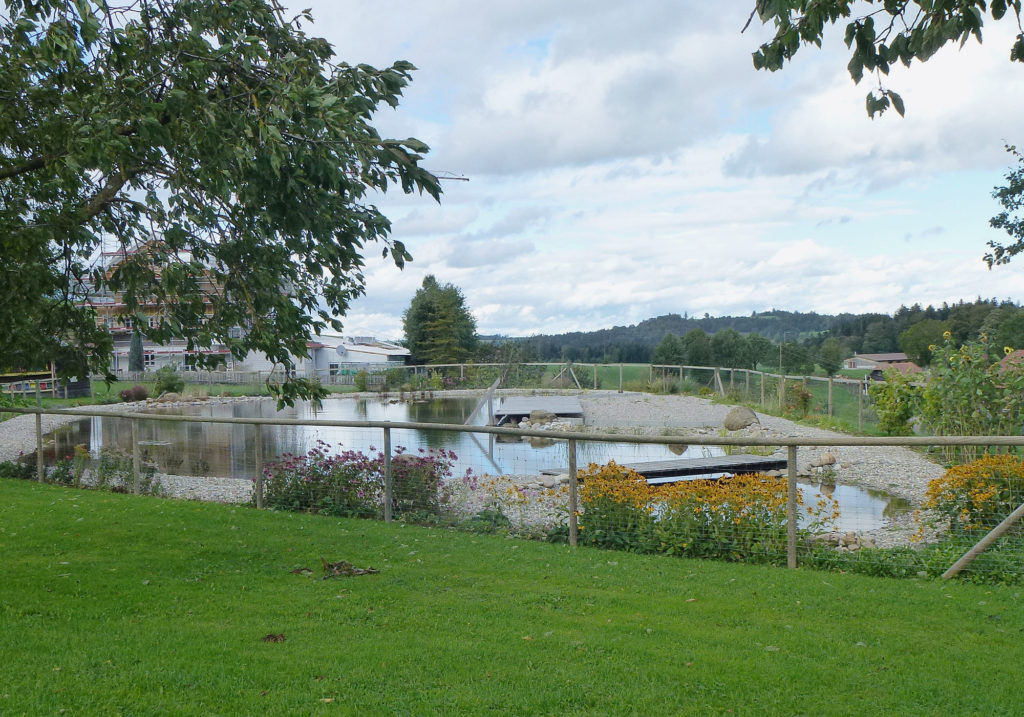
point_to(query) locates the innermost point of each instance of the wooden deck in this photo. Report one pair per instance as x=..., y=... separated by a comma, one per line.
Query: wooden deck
x=659, y=472
x=679, y=469
x=519, y=407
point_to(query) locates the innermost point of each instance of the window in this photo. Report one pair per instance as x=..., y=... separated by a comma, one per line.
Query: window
x=154, y=322
x=149, y=360
x=333, y=369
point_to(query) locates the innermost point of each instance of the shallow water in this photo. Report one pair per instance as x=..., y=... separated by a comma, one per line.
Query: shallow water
x=227, y=450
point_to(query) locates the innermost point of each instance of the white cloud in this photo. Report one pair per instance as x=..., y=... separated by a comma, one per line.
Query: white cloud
x=626, y=161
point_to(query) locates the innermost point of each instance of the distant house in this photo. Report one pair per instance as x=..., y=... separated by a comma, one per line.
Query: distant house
x=332, y=355
x=873, y=361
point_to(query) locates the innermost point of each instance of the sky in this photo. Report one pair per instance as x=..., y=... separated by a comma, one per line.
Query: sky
x=626, y=160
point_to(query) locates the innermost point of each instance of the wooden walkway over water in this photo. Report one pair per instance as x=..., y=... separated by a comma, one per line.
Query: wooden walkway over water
x=680, y=469
x=659, y=472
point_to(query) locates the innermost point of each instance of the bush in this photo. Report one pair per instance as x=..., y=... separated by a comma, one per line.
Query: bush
x=168, y=381
x=135, y=393
x=13, y=469
x=741, y=518
x=351, y=484
x=361, y=379
x=896, y=400
x=976, y=496
x=798, y=398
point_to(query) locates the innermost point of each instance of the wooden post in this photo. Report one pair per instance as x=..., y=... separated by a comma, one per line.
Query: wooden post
x=650, y=374
x=40, y=473
x=782, y=390
x=595, y=376
x=861, y=388
x=462, y=371
x=259, y=465
x=39, y=395
x=830, y=395
x=791, y=512
x=746, y=388
x=620, y=378
x=387, y=475
x=573, y=495
x=490, y=408
x=761, y=376
x=993, y=536
x=136, y=458
x=732, y=379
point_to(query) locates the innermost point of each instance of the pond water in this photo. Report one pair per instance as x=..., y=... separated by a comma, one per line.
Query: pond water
x=226, y=450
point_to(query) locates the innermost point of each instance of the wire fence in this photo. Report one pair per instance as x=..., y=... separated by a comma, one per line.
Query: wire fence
x=561, y=483
x=843, y=401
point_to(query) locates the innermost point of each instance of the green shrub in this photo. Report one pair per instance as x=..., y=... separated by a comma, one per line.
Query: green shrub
x=361, y=379
x=896, y=401
x=14, y=469
x=168, y=381
x=135, y=393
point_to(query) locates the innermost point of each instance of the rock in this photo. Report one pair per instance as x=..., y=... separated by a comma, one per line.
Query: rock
x=563, y=479
x=825, y=459
x=849, y=539
x=170, y=397
x=739, y=417
x=549, y=481
x=542, y=416
x=677, y=448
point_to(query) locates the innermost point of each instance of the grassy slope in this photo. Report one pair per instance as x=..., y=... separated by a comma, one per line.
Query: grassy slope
x=110, y=603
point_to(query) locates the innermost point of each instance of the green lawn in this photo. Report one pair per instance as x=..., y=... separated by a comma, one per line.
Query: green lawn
x=113, y=604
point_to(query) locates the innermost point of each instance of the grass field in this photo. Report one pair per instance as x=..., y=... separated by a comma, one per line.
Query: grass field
x=113, y=604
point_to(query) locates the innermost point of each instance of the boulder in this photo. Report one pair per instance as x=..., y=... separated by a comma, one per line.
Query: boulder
x=825, y=459
x=738, y=418
x=542, y=416
x=170, y=397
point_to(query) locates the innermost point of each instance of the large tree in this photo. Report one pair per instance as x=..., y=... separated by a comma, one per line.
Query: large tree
x=438, y=325
x=214, y=145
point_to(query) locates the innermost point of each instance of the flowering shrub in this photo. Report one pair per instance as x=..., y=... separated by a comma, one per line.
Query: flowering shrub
x=978, y=495
x=351, y=484
x=740, y=518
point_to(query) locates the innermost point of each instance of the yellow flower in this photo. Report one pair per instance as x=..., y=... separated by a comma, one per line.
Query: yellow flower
x=947, y=335
x=932, y=347
x=1007, y=350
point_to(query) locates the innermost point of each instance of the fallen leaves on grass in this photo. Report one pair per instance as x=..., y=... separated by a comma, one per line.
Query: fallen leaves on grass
x=274, y=637
x=343, y=568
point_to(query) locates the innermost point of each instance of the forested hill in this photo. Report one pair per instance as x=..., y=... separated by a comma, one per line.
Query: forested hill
x=635, y=343
x=910, y=329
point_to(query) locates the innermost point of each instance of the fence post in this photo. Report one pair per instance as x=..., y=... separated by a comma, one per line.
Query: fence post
x=732, y=378
x=761, y=376
x=387, y=474
x=462, y=371
x=782, y=389
x=791, y=512
x=40, y=473
x=39, y=396
x=620, y=378
x=595, y=376
x=830, y=395
x=746, y=388
x=860, y=405
x=136, y=458
x=650, y=374
x=259, y=465
x=573, y=495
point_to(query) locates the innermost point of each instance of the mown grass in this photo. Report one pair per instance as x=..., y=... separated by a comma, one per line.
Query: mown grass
x=118, y=604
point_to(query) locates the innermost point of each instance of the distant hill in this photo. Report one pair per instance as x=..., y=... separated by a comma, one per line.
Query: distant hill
x=636, y=342
x=865, y=333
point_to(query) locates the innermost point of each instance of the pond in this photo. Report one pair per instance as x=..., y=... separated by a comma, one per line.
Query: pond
x=227, y=450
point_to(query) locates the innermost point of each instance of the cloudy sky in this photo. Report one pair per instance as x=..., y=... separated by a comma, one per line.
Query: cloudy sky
x=626, y=161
